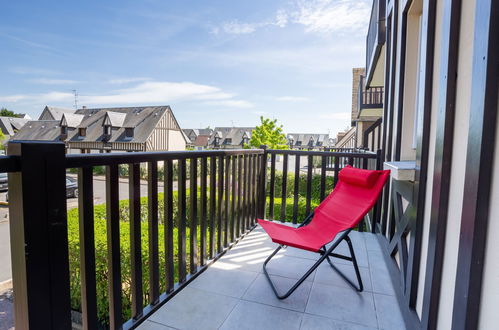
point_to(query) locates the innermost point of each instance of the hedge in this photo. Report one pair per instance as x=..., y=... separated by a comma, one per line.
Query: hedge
x=302, y=185
x=302, y=204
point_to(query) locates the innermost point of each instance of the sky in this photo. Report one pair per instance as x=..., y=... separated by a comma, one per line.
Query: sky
x=216, y=63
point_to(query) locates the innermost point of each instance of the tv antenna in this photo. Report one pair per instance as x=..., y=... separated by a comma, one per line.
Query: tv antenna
x=76, y=98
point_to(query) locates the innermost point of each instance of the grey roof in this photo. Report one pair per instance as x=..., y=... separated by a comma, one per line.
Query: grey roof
x=42, y=130
x=55, y=113
x=305, y=139
x=71, y=119
x=235, y=134
x=142, y=119
x=9, y=125
x=116, y=119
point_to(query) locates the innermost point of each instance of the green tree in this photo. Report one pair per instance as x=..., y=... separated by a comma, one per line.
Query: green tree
x=268, y=133
x=2, y=138
x=4, y=112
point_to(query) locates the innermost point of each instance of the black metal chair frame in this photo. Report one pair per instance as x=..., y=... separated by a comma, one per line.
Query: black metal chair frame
x=325, y=253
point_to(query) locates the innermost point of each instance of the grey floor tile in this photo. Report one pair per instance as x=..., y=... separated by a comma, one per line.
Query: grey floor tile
x=314, y=322
x=251, y=316
x=298, y=253
x=359, y=250
x=261, y=292
x=342, y=304
x=229, y=282
x=389, y=312
x=290, y=267
x=195, y=309
x=381, y=279
x=149, y=325
x=326, y=275
x=372, y=242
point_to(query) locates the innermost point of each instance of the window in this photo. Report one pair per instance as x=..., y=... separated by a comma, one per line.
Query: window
x=228, y=141
x=129, y=132
x=64, y=130
x=82, y=131
x=107, y=130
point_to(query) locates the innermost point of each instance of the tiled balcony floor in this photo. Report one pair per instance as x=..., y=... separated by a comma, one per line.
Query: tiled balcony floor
x=234, y=294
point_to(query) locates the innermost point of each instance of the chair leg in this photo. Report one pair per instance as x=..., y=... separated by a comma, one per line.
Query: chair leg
x=298, y=283
x=360, y=286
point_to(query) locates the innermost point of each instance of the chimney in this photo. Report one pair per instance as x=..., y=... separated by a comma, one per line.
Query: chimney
x=84, y=107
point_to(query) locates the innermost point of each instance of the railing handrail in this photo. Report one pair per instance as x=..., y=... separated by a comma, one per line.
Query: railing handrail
x=80, y=160
x=358, y=154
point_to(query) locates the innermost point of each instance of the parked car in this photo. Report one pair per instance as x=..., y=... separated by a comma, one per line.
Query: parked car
x=71, y=186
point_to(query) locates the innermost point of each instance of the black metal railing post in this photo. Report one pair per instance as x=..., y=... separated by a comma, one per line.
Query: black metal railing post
x=261, y=198
x=39, y=236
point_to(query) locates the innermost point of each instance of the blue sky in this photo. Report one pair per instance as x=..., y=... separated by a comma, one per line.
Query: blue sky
x=216, y=63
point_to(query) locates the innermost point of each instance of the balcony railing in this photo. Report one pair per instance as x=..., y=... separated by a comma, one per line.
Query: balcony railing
x=372, y=136
x=371, y=98
x=375, y=36
x=209, y=200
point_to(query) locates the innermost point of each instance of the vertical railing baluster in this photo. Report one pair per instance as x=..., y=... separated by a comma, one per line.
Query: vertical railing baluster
x=220, y=197
x=336, y=170
x=250, y=191
x=309, y=184
x=233, y=215
x=169, y=224
x=262, y=192
x=272, y=186
x=227, y=201
x=246, y=193
x=113, y=246
x=135, y=240
x=193, y=194
x=296, y=191
x=87, y=248
x=284, y=187
x=213, y=190
x=255, y=190
x=182, y=221
x=323, y=178
x=239, y=195
x=152, y=205
x=203, y=206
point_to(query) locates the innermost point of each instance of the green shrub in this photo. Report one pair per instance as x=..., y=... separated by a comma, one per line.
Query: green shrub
x=302, y=185
x=302, y=207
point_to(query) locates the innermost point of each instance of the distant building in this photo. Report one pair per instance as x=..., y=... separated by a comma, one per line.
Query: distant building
x=54, y=113
x=230, y=137
x=109, y=129
x=11, y=125
x=303, y=140
x=198, y=138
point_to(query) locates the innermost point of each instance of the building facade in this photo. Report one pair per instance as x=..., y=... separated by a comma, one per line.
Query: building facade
x=108, y=129
x=438, y=64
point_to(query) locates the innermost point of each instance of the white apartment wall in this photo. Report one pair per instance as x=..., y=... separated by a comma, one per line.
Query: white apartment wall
x=458, y=167
x=431, y=160
x=407, y=152
x=175, y=140
x=489, y=316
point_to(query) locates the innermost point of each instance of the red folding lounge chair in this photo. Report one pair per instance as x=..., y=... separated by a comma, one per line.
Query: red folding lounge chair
x=354, y=195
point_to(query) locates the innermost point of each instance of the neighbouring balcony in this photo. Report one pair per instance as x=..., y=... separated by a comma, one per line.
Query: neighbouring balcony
x=186, y=254
x=371, y=98
x=375, y=40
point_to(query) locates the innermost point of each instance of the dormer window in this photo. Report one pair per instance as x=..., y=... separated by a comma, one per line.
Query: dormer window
x=82, y=131
x=107, y=129
x=129, y=132
x=64, y=130
x=216, y=140
x=228, y=141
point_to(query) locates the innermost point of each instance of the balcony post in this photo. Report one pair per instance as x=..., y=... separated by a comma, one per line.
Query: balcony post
x=261, y=198
x=39, y=236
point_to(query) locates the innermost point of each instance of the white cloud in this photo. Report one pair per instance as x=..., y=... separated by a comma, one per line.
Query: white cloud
x=336, y=115
x=158, y=92
x=234, y=27
x=292, y=99
x=120, y=81
x=47, y=81
x=320, y=16
x=333, y=16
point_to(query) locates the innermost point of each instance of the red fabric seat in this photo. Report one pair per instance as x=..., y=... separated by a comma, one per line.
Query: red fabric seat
x=355, y=194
